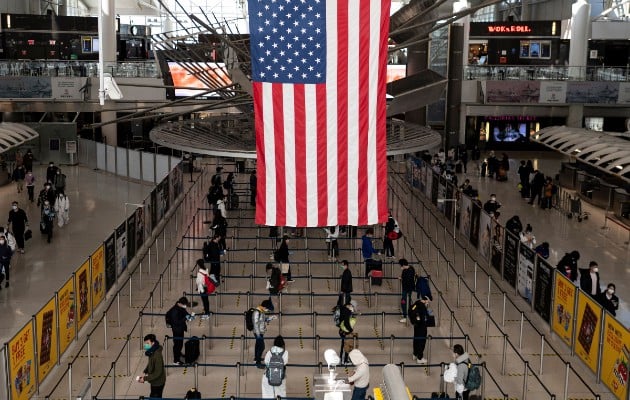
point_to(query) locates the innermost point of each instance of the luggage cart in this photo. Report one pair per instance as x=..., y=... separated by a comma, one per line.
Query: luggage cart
x=576, y=209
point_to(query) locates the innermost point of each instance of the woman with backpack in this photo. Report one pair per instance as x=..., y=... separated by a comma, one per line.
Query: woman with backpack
x=274, y=380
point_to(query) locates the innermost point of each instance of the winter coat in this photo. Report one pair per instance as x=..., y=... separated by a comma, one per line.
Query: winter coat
x=5, y=254
x=62, y=204
x=610, y=304
x=179, y=318
x=367, y=249
x=272, y=392
x=408, y=279
x=361, y=375
x=462, y=372
x=18, y=174
x=586, y=282
x=568, y=267
x=155, y=373
x=201, y=280
x=60, y=181
x=514, y=226
x=220, y=205
x=260, y=321
x=346, y=281
x=283, y=253
x=30, y=179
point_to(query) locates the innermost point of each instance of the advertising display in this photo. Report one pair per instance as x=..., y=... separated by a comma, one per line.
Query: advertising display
x=147, y=217
x=592, y=92
x=526, y=272
x=512, y=91
x=162, y=199
x=466, y=211
x=553, y=92
x=45, y=326
x=449, y=205
x=589, y=325
x=615, y=357
x=131, y=237
x=474, y=223
x=510, y=258
x=563, y=306
x=121, y=248
x=485, y=235
x=67, y=312
x=543, y=287
x=198, y=77
x=83, y=288
x=176, y=182
x=21, y=363
x=624, y=93
x=110, y=261
x=497, y=246
x=98, y=275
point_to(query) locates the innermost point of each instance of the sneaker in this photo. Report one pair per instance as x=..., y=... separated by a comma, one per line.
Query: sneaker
x=403, y=320
x=414, y=357
x=421, y=361
x=290, y=280
x=205, y=316
x=178, y=363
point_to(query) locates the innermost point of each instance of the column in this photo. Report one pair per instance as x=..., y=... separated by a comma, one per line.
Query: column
x=576, y=115
x=107, y=36
x=417, y=61
x=580, y=24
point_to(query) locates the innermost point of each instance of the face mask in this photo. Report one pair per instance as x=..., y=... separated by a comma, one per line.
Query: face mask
x=611, y=291
x=14, y=207
x=184, y=307
x=595, y=269
x=147, y=346
x=2, y=242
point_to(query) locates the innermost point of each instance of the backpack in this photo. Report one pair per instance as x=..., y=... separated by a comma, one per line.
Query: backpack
x=414, y=313
x=169, y=317
x=275, y=370
x=337, y=316
x=210, y=285
x=249, y=319
x=473, y=381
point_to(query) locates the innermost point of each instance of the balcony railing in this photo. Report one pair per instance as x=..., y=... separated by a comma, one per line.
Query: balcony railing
x=546, y=72
x=140, y=69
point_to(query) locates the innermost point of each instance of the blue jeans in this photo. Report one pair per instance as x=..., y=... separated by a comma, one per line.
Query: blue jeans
x=405, y=298
x=359, y=393
x=260, y=347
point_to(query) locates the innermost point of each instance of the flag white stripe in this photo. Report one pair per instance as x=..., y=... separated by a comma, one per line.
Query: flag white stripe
x=331, y=112
x=310, y=111
x=270, y=155
x=374, y=65
x=353, y=111
x=288, y=111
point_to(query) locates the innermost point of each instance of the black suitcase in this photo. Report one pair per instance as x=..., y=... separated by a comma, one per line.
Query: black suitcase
x=374, y=265
x=192, y=350
x=233, y=201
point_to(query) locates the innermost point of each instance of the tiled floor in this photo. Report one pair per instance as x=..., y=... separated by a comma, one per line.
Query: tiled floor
x=248, y=256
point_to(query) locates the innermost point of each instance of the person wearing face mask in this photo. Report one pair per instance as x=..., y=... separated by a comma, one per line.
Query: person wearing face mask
x=176, y=317
x=18, y=177
x=46, y=224
x=492, y=205
x=51, y=172
x=154, y=373
x=345, y=288
x=18, y=221
x=461, y=360
x=46, y=194
x=30, y=185
x=5, y=260
x=60, y=181
x=608, y=300
x=589, y=280
x=62, y=208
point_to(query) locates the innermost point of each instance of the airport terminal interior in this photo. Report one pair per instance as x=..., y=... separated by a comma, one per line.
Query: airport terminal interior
x=126, y=127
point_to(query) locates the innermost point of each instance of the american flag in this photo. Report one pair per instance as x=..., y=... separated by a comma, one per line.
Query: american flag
x=319, y=72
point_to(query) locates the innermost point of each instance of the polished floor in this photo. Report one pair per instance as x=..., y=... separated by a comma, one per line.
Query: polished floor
x=380, y=336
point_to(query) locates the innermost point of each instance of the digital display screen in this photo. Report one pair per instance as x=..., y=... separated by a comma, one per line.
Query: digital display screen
x=96, y=45
x=395, y=72
x=194, y=79
x=509, y=132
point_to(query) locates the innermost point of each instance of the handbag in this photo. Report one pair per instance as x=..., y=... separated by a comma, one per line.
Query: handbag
x=28, y=234
x=429, y=318
x=284, y=268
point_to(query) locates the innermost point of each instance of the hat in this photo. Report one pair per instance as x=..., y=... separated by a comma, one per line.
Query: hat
x=267, y=304
x=183, y=301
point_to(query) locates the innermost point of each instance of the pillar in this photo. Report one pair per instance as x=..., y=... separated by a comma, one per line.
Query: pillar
x=417, y=61
x=107, y=57
x=576, y=115
x=580, y=24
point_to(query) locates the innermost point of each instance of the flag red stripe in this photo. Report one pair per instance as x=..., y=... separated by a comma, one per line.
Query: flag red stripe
x=342, y=110
x=381, y=111
x=278, y=127
x=322, y=155
x=363, y=117
x=261, y=169
x=300, y=154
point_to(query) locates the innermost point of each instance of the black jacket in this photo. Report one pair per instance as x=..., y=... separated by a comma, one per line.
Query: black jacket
x=283, y=253
x=408, y=279
x=586, y=283
x=491, y=206
x=212, y=252
x=18, y=220
x=219, y=224
x=346, y=281
x=177, y=317
x=514, y=226
x=5, y=255
x=611, y=305
x=568, y=267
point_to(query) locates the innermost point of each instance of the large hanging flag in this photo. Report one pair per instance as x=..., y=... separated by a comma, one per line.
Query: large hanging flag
x=319, y=72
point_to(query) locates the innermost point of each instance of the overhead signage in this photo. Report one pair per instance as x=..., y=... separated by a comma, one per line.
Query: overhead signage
x=523, y=28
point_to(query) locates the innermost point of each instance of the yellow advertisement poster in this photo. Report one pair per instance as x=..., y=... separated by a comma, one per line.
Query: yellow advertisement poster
x=563, y=306
x=588, y=328
x=46, y=339
x=83, y=289
x=98, y=276
x=67, y=312
x=22, y=366
x=615, y=357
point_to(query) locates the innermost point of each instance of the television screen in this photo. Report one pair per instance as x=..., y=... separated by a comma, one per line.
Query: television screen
x=96, y=45
x=197, y=78
x=510, y=132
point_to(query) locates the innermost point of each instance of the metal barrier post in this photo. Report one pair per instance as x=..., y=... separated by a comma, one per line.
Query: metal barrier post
x=526, y=372
x=118, y=307
x=520, y=336
x=459, y=286
x=489, y=290
x=472, y=308
x=487, y=329
x=314, y=319
x=105, y=329
x=382, y=326
x=238, y=380
x=243, y=343
x=542, y=353
x=70, y=380
x=503, y=356
x=317, y=338
x=503, y=312
x=128, y=355
x=567, y=371
x=391, y=349
x=89, y=354
x=451, y=329
x=429, y=339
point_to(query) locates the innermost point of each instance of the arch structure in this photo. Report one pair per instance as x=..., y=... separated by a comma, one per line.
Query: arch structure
x=13, y=135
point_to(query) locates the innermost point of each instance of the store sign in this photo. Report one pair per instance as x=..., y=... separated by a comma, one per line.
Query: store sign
x=524, y=28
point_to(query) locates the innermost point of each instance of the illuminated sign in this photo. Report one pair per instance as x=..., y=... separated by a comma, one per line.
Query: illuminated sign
x=509, y=29
x=523, y=28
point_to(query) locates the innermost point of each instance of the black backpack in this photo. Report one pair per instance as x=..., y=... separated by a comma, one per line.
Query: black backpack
x=193, y=394
x=276, y=256
x=249, y=319
x=275, y=370
x=169, y=317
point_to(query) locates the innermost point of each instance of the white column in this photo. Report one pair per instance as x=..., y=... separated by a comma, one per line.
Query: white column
x=107, y=58
x=580, y=27
x=461, y=5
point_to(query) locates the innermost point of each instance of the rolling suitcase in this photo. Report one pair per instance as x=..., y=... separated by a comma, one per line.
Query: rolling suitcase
x=373, y=265
x=376, y=277
x=192, y=350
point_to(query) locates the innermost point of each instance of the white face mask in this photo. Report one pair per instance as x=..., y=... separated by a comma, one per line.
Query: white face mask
x=611, y=291
x=184, y=307
x=14, y=207
x=595, y=269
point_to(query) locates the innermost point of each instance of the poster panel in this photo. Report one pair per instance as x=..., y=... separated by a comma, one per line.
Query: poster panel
x=139, y=227
x=466, y=211
x=121, y=248
x=45, y=323
x=148, y=228
x=110, y=261
x=131, y=237
x=592, y=92
x=67, y=312
x=553, y=92
x=498, y=233
x=176, y=182
x=563, y=306
x=154, y=210
x=21, y=363
x=474, y=223
x=83, y=288
x=422, y=185
x=485, y=235
x=510, y=258
x=98, y=275
x=615, y=357
x=526, y=272
x=512, y=91
x=544, y=286
x=589, y=325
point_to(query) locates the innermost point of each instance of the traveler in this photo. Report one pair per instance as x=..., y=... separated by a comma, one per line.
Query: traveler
x=275, y=281
x=60, y=181
x=274, y=380
x=568, y=265
x=51, y=172
x=260, y=321
x=18, y=221
x=536, y=187
x=608, y=300
x=388, y=242
x=46, y=194
x=367, y=249
x=461, y=360
x=589, y=280
x=48, y=216
x=18, y=177
x=527, y=237
x=332, y=246
x=202, y=287
x=28, y=160
x=220, y=224
x=281, y=256
x=177, y=317
x=30, y=185
x=5, y=260
x=154, y=373
x=492, y=205
x=408, y=285
x=360, y=377
x=417, y=315
x=346, y=284
x=253, y=181
x=62, y=208
x=514, y=226
x=347, y=321
x=212, y=254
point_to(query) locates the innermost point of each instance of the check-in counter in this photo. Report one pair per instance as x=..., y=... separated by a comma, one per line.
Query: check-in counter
x=568, y=175
x=621, y=205
x=595, y=191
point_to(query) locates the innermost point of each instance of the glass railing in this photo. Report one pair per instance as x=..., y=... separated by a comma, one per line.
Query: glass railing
x=546, y=72
x=132, y=69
